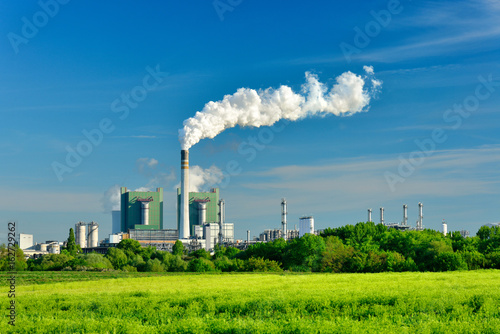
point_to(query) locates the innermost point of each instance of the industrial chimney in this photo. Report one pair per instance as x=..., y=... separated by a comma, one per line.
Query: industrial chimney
x=283, y=217
x=445, y=228
x=369, y=215
x=420, y=225
x=405, y=215
x=184, y=219
x=381, y=215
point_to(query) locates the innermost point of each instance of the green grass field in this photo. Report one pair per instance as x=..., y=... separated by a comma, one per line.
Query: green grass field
x=448, y=302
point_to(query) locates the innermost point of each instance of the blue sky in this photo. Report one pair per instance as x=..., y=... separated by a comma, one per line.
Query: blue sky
x=433, y=58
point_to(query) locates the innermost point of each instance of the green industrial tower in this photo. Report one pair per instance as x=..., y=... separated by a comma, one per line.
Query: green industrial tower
x=211, y=198
x=141, y=210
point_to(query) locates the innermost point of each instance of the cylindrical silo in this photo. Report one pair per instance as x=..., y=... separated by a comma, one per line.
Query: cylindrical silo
x=202, y=213
x=306, y=225
x=93, y=234
x=81, y=234
x=145, y=212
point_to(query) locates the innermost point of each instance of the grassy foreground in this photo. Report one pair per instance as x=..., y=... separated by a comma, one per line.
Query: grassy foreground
x=448, y=302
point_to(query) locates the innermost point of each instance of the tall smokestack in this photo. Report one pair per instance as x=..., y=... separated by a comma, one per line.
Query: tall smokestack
x=184, y=223
x=405, y=214
x=283, y=217
x=369, y=215
x=381, y=215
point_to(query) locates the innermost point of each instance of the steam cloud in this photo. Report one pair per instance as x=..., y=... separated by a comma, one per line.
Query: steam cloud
x=203, y=179
x=248, y=107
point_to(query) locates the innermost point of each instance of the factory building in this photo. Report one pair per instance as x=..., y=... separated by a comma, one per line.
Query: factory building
x=141, y=210
x=203, y=208
x=211, y=234
x=25, y=241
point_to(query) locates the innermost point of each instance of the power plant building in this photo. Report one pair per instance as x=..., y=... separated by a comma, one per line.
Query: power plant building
x=141, y=210
x=203, y=209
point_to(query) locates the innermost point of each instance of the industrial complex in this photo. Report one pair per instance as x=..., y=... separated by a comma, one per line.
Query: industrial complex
x=201, y=223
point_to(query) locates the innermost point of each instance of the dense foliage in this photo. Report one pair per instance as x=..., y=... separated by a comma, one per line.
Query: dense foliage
x=360, y=248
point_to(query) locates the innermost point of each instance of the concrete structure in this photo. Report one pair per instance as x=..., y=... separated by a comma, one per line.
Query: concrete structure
x=141, y=210
x=116, y=221
x=25, y=241
x=306, y=225
x=211, y=198
x=369, y=215
x=81, y=234
x=248, y=236
x=284, y=212
x=381, y=215
x=445, y=228
x=92, y=234
x=183, y=225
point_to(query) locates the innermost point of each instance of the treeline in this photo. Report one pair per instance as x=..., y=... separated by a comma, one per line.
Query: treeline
x=360, y=248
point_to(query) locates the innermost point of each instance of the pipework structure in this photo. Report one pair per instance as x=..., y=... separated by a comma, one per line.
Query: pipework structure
x=284, y=212
x=405, y=215
x=420, y=225
x=222, y=218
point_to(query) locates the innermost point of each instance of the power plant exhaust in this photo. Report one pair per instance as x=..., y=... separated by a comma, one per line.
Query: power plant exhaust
x=184, y=210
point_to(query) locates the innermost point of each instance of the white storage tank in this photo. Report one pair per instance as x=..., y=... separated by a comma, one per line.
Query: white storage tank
x=54, y=248
x=93, y=234
x=306, y=225
x=80, y=234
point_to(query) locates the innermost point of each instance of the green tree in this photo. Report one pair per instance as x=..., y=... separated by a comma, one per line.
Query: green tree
x=178, y=248
x=200, y=265
x=71, y=246
x=130, y=247
x=155, y=266
x=117, y=257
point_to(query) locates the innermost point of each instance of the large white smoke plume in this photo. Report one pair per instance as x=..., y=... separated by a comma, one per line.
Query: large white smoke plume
x=249, y=107
x=203, y=179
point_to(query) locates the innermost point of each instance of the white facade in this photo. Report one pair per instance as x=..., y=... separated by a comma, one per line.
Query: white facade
x=211, y=234
x=25, y=240
x=198, y=231
x=115, y=238
x=228, y=232
x=306, y=225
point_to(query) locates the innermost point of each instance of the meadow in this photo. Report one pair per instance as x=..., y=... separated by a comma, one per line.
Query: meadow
x=410, y=302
